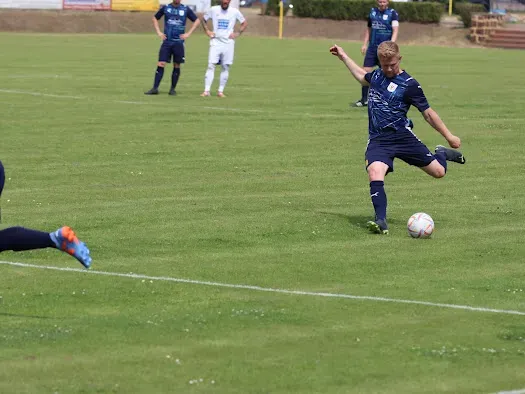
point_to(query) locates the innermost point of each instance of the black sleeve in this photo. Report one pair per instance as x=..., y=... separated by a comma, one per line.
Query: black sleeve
x=191, y=15
x=159, y=13
x=415, y=96
x=369, y=22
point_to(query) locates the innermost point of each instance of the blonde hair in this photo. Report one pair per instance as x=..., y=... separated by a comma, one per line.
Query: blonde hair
x=388, y=50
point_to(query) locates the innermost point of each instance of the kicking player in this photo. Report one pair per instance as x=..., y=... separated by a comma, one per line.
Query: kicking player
x=175, y=16
x=383, y=25
x=390, y=136
x=20, y=238
x=222, y=42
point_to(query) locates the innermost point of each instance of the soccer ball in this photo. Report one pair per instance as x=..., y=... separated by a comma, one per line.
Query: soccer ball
x=420, y=225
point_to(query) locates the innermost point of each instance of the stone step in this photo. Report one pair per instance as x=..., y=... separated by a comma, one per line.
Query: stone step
x=497, y=37
x=505, y=44
x=509, y=33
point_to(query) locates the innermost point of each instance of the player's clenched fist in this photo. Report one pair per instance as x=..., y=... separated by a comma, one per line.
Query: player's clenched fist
x=336, y=50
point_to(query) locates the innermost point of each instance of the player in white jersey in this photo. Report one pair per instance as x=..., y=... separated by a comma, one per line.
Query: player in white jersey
x=222, y=42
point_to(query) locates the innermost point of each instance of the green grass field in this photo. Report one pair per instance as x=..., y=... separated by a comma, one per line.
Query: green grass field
x=266, y=188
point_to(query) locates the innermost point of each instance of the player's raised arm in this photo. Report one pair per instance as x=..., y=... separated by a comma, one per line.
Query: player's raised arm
x=357, y=72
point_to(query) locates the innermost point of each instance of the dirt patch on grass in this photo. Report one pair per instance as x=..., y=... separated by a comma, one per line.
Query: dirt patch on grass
x=140, y=22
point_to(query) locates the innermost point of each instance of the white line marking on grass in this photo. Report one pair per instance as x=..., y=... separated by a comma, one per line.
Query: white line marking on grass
x=277, y=112
x=269, y=289
x=235, y=109
x=62, y=96
x=522, y=391
x=38, y=76
x=133, y=102
x=240, y=110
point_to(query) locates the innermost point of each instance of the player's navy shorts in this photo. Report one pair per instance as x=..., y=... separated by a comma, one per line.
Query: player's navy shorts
x=170, y=49
x=402, y=145
x=371, y=58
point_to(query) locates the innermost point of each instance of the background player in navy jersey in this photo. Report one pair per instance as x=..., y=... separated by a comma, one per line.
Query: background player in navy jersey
x=175, y=15
x=383, y=25
x=390, y=136
x=21, y=238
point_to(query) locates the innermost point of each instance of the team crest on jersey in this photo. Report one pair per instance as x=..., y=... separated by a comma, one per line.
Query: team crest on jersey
x=385, y=17
x=181, y=12
x=391, y=87
x=373, y=13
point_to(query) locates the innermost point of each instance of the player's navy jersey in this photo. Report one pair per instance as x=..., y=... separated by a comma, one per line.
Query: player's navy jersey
x=380, y=24
x=175, y=19
x=389, y=100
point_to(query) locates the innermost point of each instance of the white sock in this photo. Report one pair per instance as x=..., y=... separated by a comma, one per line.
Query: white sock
x=225, y=73
x=208, y=77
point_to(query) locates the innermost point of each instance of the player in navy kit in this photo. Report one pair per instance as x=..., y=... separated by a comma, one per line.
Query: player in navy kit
x=390, y=135
x=175, y=16
x=21, y=238
x=383, y=25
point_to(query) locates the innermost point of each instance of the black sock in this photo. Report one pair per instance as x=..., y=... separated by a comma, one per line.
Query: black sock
x=2, y=178
x=20, y=238
x=158, y=77
x=364, y=94
x=175, y=77
x=378, y=195
x=2, y=182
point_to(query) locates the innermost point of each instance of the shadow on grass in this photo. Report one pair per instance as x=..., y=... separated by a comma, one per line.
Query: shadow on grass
x=358, y=221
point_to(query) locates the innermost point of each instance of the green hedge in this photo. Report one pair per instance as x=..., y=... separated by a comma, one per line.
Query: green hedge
x=418, y=12
x=444, y=4
x=272, y=8
x=465, y=11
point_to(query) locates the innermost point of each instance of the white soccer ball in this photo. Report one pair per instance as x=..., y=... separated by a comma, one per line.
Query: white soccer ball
x=420, y=225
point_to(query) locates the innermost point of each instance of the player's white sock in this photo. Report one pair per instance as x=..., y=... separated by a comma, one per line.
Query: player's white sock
x=208, y=78
x=225, y=73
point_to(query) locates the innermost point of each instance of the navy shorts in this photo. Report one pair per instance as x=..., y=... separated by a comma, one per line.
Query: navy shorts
x=405, y=146
x=170, y=49
x=371, y=58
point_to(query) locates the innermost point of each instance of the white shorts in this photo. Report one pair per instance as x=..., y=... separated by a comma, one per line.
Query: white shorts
x=221, y=53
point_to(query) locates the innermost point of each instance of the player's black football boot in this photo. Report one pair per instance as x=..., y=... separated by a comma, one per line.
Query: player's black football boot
x=152, y=91
x=451, y=154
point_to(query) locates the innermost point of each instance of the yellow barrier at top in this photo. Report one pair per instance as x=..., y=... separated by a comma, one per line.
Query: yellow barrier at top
x=135, y=5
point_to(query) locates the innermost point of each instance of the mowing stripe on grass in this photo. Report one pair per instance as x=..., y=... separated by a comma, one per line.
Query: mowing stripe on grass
x=269, y=289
